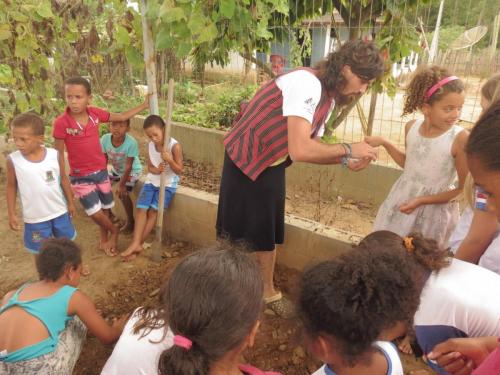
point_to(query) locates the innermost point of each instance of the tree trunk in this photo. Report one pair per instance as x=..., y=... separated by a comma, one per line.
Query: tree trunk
x=149, y=60
x=354, y=33
x=371, y=114
x=336, y=120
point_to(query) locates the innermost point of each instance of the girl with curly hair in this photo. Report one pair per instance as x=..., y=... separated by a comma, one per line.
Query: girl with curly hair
x=434, y=165
x=352, y=306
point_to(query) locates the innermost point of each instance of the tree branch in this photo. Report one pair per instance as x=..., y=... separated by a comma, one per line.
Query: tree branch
x=343, y=11
x=248, y=56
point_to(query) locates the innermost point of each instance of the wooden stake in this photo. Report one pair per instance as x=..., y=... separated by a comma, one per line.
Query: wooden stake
x=157, y=250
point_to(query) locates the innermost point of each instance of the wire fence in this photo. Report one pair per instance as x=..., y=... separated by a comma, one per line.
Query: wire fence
x=309, y=40
x=324, y=197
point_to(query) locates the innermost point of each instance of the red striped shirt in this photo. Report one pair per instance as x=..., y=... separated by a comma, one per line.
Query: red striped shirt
x=259, y=136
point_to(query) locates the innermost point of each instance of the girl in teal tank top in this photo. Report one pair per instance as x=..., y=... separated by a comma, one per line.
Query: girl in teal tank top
x=38, y=316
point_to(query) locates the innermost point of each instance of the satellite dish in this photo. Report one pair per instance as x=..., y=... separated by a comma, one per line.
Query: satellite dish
x=469, y=38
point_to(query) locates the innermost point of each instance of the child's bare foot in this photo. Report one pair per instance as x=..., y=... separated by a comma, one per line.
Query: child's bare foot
x=131, y=252
x=113, y=240
x=404, y=345
x=108, y=248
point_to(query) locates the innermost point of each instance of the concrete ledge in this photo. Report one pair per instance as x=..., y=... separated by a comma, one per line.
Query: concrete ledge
x=370, y=185
x=192, y=214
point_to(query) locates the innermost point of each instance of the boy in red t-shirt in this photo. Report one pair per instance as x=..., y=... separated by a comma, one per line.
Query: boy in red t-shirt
x=77, y=130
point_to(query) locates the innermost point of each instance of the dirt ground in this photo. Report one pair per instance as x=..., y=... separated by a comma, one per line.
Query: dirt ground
x=118, y=288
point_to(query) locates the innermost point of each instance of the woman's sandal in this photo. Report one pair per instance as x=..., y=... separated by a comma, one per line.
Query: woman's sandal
x=280, y=305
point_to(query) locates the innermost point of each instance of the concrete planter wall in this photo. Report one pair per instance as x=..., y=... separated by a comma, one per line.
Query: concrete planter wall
x=191, y=216
x=370, y=185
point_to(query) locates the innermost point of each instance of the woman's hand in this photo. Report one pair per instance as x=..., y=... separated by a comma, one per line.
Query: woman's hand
x=358, y=164
x=363, y=150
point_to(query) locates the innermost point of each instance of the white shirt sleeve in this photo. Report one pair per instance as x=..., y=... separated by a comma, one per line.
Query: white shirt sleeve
x=301, y=92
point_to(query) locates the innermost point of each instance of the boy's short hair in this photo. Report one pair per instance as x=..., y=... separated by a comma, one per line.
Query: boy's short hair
x=79, y=81
x=127, y=121
x=29, y=120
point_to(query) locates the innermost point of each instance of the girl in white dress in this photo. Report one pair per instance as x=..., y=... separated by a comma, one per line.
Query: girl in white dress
x=434, y=165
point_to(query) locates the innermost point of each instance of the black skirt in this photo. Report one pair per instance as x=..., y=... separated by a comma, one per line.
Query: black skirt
x=252, y=212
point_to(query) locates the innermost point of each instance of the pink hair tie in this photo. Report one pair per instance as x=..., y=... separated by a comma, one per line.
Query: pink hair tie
x=183, y=342
x=438, y=85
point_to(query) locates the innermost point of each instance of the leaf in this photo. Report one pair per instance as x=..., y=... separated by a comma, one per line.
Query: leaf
x=44, y=10
x=173, y=14
x=18, y=16
x=6, y=75
x=281, y=6
x=181, y=31
x=134, y=57
x=72, y=26
x=122, y=36
x=262, y=31
x=5, y=32
x=163, y=40
x=22, y=49
x=196, y=22
x=183, y=49
x=153, y=8
x=226, y=8
x=35, y=103
x=210, y=33
x=22, y=103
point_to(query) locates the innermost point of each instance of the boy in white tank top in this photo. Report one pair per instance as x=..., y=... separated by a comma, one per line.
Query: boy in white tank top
x=34, y=170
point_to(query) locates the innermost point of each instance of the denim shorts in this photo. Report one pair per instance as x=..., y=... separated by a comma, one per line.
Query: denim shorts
x=150, y=194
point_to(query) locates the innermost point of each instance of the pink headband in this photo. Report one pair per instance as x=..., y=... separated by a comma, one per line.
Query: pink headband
x=183, y=342
x=438, y=85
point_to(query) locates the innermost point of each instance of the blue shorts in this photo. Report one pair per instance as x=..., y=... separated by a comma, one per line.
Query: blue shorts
x=150, y=194
x=35, y=233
